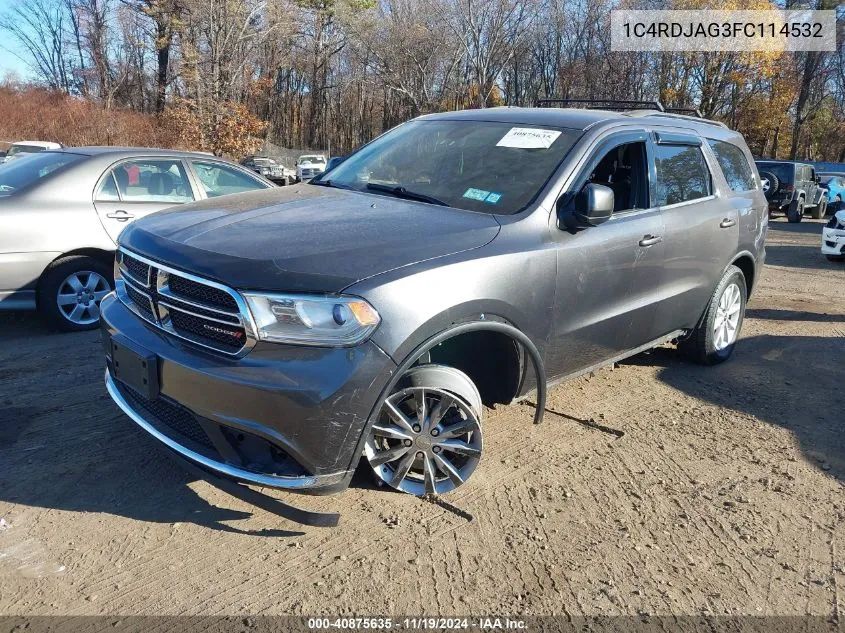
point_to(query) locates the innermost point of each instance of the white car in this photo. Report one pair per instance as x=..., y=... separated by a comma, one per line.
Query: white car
x=833, y=237
x=22, y=148
x=310, y=166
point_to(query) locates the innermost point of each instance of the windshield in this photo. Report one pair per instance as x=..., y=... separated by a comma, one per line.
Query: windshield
x=311, y=159
x=26, y=170
x=264, y=162
x=483, y=166
x=826, y=178
x=784, y=172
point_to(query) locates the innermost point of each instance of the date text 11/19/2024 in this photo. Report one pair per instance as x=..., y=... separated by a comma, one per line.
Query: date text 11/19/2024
x=490, y=623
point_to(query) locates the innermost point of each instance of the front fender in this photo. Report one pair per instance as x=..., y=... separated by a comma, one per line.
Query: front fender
x=420, y=301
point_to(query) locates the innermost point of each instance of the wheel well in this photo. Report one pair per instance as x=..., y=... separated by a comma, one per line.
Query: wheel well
x=492, y=360
x=746, y=265
x=106, y=257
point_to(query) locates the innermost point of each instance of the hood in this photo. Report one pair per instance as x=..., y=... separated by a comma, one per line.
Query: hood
x=304, y=238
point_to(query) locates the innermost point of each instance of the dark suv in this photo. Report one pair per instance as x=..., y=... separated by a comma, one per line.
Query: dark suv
x=792, y=187
x=460, y=260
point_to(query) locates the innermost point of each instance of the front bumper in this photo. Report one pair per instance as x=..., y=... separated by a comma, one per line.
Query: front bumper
x=833, y=242
x=283, y=416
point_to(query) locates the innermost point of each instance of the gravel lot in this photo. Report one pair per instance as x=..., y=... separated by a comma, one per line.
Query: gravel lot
x=723, y=495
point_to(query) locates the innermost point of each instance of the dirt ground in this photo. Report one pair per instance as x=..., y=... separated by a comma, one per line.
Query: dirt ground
x=725, y=494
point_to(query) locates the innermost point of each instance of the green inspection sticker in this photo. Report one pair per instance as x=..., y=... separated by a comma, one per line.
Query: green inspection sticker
x=493, y=198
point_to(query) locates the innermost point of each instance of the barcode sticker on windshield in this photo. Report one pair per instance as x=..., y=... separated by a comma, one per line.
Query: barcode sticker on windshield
x=528, y=138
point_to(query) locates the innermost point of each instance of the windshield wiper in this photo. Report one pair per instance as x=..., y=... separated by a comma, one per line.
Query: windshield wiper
x=400, y=192
x=329, y=183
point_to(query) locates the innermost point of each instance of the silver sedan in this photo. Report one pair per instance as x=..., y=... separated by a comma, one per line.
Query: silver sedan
x=61, y=212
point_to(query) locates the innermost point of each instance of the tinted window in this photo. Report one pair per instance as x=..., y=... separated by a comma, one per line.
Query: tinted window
x=734, y=165
x=152, y=181
x=682, y=174
x=221, y=180
x=484, y=166
x=25, y=171
x=783, y=171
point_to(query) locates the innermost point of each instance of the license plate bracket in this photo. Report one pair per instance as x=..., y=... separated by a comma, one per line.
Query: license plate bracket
x=135, y=366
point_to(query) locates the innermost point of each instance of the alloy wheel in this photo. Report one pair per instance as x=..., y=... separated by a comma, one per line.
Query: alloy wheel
x=79, y=296
x=726, y=323
x=425, y=441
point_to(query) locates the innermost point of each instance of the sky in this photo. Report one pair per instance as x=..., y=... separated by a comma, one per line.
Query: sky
x=8, y=61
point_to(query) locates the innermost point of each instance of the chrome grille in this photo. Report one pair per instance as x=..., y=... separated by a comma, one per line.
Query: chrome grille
x=134, y=268
x=198, y=310
x=191, y=290
x=141, y=301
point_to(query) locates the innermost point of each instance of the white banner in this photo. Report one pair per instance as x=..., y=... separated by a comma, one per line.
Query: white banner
x=723, y=31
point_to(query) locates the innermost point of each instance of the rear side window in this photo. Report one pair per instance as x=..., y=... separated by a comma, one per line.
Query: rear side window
x=682, y=174
x=734, y=165
x=221, y=180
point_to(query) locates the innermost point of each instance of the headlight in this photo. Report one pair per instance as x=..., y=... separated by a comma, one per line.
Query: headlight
x=312, y=320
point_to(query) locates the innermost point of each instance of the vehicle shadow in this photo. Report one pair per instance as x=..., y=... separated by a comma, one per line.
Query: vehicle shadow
x=806, y=226
x=65, y=445
x=797, y=256
x=793, y=315
x=791, y=381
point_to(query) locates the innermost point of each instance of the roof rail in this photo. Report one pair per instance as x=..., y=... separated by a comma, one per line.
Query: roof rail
x=688, y=111
x=601, y=104
x=634, y=108
x=673, y=115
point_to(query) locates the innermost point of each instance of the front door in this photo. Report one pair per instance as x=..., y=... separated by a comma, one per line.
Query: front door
x=138, y=187
x=608, y=279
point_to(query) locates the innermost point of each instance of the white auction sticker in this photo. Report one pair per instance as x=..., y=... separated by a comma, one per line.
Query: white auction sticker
x=528, y=138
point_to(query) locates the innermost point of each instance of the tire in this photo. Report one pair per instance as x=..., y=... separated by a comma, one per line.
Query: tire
x=835, y=258
x=774, y=184
x=836, y=205
x=819, y=210
x=795, y=213
x=80, y=299
x=426, y=449
x=704, y=344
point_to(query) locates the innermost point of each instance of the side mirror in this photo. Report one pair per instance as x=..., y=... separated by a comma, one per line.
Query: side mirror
x=593, y=205
x=334, y=161
x=818, y=180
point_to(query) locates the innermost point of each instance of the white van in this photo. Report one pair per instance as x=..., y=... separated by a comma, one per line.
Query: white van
x=22, y=148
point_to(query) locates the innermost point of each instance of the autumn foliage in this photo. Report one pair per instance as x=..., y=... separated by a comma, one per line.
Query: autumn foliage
x=37, y=114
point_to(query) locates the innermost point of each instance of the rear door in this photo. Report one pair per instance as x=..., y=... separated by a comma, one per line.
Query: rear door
x=137, y=187
x=701, y=226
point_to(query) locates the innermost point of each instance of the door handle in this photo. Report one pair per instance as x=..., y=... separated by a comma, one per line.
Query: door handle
x=650, y=240
x=120, y=215
x=727, y=223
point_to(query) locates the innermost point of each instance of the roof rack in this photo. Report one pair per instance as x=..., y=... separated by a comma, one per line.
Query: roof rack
x=688, y=111
x=618, y=104
x=634, y=108
x=602, y=104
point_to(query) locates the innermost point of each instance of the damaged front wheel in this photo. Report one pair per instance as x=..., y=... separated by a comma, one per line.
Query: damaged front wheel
x=427, y=438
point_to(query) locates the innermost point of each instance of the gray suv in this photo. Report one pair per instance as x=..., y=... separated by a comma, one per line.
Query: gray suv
x=458, y=261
